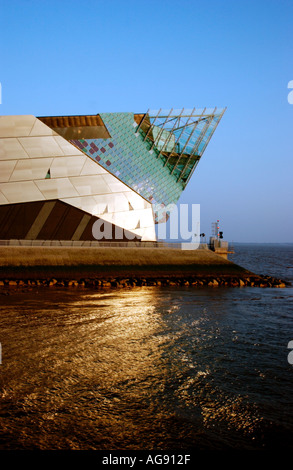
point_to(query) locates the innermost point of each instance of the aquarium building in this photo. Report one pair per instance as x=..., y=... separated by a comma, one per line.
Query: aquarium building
x=59, y=175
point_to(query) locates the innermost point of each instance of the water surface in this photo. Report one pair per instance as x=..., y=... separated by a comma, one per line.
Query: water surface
x=150, y=367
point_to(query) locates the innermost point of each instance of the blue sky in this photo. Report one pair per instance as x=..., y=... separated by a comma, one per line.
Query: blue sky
x=85, y=57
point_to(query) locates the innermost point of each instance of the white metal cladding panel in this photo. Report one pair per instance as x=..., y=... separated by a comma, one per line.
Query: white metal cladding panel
x=85, y=203
x=114, y=184
x=67, y=166
x=146, y=217
x=56, y=188
x=24, y=192
x=10, y=148
x=136, y=222
x=146, y=234
x=90, y=185
x=16, y=126
x=6, y=168
x=92, y=168
x=39, y=128
x=136, y=201
x=31, y=169
x=3, y=199
x=44, y=146
x=129, y=220
x=66, y=147
x=111, y=203
x=133, y=219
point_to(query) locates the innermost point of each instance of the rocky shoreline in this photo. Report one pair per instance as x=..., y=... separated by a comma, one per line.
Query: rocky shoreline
x=28, y=267
x=114, y=282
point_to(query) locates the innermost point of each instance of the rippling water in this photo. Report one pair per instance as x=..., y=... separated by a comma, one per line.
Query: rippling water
x=149, y=367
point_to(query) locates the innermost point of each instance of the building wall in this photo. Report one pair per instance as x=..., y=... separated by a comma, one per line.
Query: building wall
x=37, y=164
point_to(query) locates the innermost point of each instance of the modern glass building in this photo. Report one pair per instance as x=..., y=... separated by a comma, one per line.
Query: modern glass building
x=60, y=174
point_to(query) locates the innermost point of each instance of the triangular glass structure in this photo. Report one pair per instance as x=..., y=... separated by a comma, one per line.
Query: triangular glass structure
x=179, y=137
x=154, y=153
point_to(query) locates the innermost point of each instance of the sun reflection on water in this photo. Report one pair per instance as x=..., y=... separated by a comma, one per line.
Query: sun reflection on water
x=122, y=369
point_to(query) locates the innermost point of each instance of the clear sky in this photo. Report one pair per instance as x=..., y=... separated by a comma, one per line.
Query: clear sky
x=84, y=57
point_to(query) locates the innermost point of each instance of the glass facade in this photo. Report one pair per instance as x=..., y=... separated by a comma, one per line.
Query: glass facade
x=179, y=137
x=156, y=155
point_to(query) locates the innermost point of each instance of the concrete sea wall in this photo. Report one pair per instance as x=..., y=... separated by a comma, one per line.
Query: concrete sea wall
x=122, y=267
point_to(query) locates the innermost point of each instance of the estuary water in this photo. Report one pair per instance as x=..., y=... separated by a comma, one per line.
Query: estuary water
x=150, y=368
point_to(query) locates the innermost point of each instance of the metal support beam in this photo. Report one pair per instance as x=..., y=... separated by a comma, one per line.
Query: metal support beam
x=192, y=132
x=161, y=132
x=195, y=147
x=172, y=151
x=213, y=130
x=175, y=166
x=152, y=125
x=191, y=123
x=203, y=132
x=140, y=124
x=210, y=136
x=171, y=132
